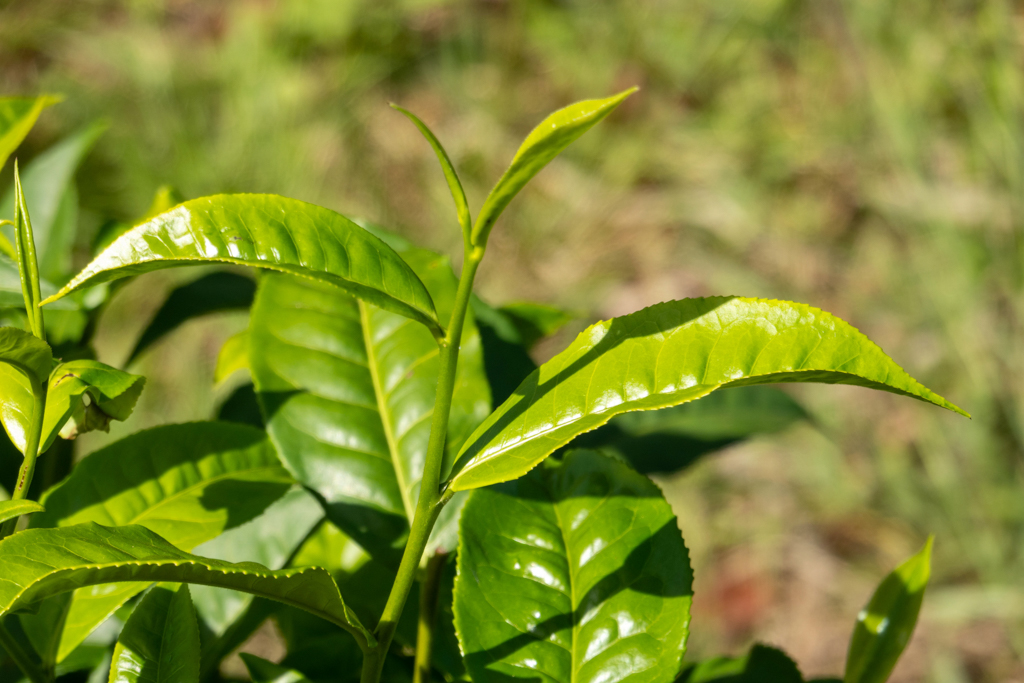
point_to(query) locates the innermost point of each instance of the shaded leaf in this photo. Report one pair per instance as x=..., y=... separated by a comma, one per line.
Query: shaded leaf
x=17, y=116
x=667, y=355
x=269, y=232
x=763, y=664
x=885, y=625
x=575, y=572
x=25, y=352
x=9, y=509
x=233, y=356
x=543, y=144
x=40, y=563
x=85, y=395
x=212, y=293
x=506, y=360
x=535, y=321
x=160, y=641
x=262, y=671
x=242, y=406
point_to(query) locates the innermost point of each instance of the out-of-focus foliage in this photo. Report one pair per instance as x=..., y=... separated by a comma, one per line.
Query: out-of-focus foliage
x=864, y=157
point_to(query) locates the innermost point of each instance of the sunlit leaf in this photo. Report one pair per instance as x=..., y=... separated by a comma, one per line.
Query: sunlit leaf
x=575, y=572
x=233, y=356
x=160, y=640
x=17, y=116
x=25, y=352
x=667, y=355
x=9, y=509
x=85, y=395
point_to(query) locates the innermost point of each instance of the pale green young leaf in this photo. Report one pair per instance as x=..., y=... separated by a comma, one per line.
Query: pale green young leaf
x=9, y=509
x=885, y=625
x=544, y=143
x=111, y=393
x=458, y=194
x=41, y=563
x=667, y=355
x=28, y=267
x=574, y=572
x=232, y=357
x=17, y=116
x=271, y=232
x=262, y=671
x=160, y=641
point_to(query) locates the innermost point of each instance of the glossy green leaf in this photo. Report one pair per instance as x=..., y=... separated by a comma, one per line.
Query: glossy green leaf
x=17, y=116
x=763, y=664
x=160, y=640
x=262, y=671
x=25, y=250
x=212, y=293
x=164, y=199
x=674, y=438
x=24, y=359
x=544, y=143
x=667, y=355
x=269, y=232
x=347, y=391
x=48, y=184
x=577, y=573
x=40, y=563
x=25, y=352
x=458, y=194
x=271, y=540
x=233, y=356
x=885, y=625
x=187, y=482
x=535, y=321
x=9, y=509
x=85, y=395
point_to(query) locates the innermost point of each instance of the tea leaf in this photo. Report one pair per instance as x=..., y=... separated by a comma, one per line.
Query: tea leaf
x=9, y=509
x=160, y=641
x=112, y=395
x=17, y=116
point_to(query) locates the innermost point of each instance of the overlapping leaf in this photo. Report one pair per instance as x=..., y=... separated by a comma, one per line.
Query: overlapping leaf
x=272, y=232
x=9, y=509
x=160, y=640
x=763, y=664
x=574, y=573
x=111, y=393
x=666, y=355
x=26, y=353
x=41, y=563
x=348, y=391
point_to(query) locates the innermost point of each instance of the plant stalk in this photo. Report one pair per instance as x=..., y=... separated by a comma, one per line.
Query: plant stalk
x=32, y=671
x=428, y=617
x=429, y=505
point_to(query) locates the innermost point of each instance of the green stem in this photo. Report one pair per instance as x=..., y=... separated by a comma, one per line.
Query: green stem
x=27, y=665
x=428, y=617
x=429, y=505
x=28, y=466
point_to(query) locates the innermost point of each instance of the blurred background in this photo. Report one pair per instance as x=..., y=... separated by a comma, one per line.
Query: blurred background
x=866, y=157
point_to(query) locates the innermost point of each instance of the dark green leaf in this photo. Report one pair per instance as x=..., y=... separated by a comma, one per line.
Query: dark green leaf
x=763, y=664
x=885, y=625
x=262, y=671
x=347, y=392
x=543, y=144
x=26, y=352
x=160, y=641
x=535, y=321
x=458, y=194
x=39, y=563
x=674, y=438
x=212, y=293
x=9, y=509
x=112, y=395
x=575, y=572
x=17, y=116
x=242, y=407
x=506, y=360
x=269, y=232
x=667, y=355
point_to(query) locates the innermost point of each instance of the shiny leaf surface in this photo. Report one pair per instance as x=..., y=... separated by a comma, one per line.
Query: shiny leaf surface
x=24, y=360
x=41, y=563
x=667, y=355
x=272, y=232
x=17, y=116
x=112, y=395
x=347, y=391
x=885, y=625
x=576, y=572
x=9, y=509
x=160, y=640
x=544, y=143
x=26, y=352
x=213, y=293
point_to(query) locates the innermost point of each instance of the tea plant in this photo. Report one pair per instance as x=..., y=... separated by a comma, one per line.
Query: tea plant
x=399, y=423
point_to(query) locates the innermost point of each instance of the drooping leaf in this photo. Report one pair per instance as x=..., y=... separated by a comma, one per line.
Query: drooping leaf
x=667, y=355
x=885, y=625
x=233, y=356
x=40, y=563
x=160, y=641
x=17, y=116
x=763, y=664
x=262, y=671
x=111, y=393
x=26, y=352
x=574, y=572
x=452, y=178
x=9, y=509
x=347, y=392
x=212, y=293
x=535, y=321
x=48, y=184
x=270, y=539
x=187, y=482
x=544, y=143
x=271, y=232
x=674, y=438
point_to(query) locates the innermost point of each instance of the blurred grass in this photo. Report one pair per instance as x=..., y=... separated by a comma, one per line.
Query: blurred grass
x=866, y=157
